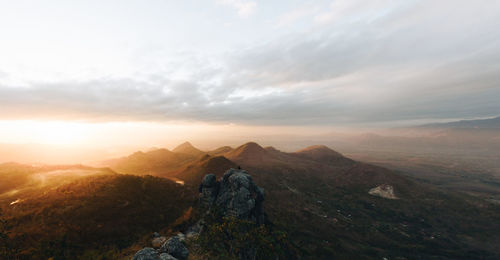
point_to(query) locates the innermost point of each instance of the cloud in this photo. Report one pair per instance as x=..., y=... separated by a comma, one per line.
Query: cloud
x=409, y=62
x=243, y=7
x=296, y=14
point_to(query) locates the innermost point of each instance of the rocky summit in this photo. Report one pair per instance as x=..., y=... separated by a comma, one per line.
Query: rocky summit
x=234, y=195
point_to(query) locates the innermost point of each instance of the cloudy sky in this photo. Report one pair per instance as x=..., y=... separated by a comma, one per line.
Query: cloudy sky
x=255, y=63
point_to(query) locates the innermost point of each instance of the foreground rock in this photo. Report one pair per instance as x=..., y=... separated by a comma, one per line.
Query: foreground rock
x=146, y=253
x=171, y=249
x=158, y=241
x=175, y=247
x=235, y=195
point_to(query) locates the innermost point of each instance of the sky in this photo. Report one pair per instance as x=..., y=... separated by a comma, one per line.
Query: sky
x=96, y=69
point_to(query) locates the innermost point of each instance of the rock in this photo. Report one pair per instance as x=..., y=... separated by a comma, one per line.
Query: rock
x=165, y=256
x=194, y=230
x=385, y=191
x=146, y=253
x=158, y=241
x=181, y=237
x=235, y=195
x=209, y=188
x=175, y=247
x=156, y=234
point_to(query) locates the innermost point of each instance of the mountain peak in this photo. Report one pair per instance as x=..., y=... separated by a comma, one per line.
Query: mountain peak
x=187, y=148
x=318, y=147
x=319, y=152
x=250, y=149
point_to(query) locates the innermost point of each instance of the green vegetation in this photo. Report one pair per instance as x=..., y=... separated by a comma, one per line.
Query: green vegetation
x=348, y=223
x=94, y=216
x=230, y=238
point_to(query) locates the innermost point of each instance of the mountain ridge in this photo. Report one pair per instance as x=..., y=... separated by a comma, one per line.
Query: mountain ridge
x=488, y=123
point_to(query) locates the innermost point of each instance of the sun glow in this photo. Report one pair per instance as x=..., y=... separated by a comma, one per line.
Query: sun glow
x=61, y=133
x=44, y=132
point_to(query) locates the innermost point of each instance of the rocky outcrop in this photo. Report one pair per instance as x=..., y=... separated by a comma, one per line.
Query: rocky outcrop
x=385, y=191
x=234, y=195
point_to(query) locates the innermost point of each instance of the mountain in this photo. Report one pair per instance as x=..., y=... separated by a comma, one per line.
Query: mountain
x=248, y=151
x=320, y=153
x=194, y=172
x=490, y=123
x=187, y=148
x=161, y=162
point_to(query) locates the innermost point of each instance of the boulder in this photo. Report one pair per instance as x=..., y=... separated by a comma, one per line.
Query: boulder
x=146, y=253
x=165, y=256
x=158, y=241
x=181, y=237
x=175, y=247
x=194, y=230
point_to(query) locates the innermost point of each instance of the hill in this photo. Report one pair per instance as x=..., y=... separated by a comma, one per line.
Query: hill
x=194, y=172
x=321, y=153
x=160, y=162
x=249, y=151
x=92, y=217
x=187, y=148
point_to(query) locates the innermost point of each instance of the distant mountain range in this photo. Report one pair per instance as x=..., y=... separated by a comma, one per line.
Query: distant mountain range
x=478, y=123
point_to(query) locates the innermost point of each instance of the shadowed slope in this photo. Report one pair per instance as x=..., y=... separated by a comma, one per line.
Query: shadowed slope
x=221, y=151
x=194, y=172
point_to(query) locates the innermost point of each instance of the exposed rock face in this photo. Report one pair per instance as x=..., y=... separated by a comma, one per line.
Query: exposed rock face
x=235, y=195
x=209, y=189
x=385, y=191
